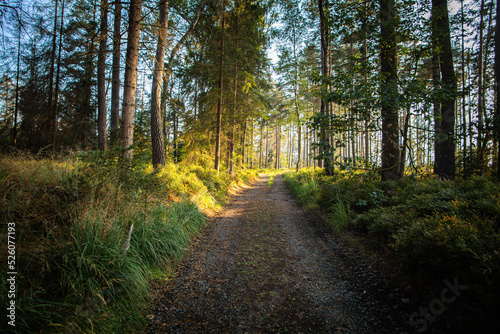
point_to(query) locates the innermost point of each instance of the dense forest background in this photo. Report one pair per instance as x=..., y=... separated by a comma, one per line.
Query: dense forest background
x=394, y=85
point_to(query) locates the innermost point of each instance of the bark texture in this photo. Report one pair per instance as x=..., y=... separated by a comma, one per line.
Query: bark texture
x=389, y=91
x=445, y=143
x=497, y=75
x=130, y=82
x=115, y=76
x=51, y=74
x=101, y=79
x=219, y=102
x=157, y=139
x=324, y=145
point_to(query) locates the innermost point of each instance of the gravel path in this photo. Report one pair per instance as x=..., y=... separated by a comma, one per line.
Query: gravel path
x=263, y=266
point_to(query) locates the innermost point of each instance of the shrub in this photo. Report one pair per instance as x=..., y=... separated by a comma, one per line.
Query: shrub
x=435, y=228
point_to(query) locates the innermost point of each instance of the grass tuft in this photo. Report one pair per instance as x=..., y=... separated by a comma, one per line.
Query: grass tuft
x=92, y=233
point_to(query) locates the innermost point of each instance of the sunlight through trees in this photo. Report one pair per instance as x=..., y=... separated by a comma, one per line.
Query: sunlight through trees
x=400, y=86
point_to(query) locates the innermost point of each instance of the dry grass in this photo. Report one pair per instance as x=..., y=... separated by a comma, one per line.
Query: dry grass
x=43, y=172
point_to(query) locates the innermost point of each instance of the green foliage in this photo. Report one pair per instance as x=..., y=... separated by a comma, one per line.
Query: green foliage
x=99, y=281
x=270, y=181
x=434, y=228
x=340, y=216
x=164, y=234
x=92, y=233
x=303, y=184
x=216, y=183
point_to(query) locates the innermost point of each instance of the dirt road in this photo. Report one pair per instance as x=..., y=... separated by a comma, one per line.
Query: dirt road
x=262, y=266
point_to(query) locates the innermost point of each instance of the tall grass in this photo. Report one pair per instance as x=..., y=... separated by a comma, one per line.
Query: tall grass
x=106, y=287
x=165, y=233
x=304, y=186
x=42, y=171
x=340, y=215
x=93, y=233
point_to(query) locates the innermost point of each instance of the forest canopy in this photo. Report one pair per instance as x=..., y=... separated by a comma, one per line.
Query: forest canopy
x=401, y=86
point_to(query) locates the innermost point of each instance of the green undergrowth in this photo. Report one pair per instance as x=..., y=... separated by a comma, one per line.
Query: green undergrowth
x=92, y=233
x=305, y=186
x=435, y=229
x=270, y=180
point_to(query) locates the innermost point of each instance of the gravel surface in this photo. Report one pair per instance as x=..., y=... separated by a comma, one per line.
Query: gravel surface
x=264, y=266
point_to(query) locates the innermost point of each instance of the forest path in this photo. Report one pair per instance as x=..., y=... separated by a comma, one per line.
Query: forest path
x=262, y=266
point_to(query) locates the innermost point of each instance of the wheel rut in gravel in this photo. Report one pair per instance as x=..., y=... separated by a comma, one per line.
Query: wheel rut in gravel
x=262, y=266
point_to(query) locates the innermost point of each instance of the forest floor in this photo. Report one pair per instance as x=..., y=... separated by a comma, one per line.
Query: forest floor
x=264, y=265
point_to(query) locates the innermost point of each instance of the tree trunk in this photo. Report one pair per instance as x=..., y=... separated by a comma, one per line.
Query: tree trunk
x=175, y=128
x=353, y=135
x=244, y=142
x=157, y=140
x=299, y=134
x=497, y=77
x=261, y=140
x=469, y=109
x=484, y=143
x=480, y=93
x=445, y=162
x=278, y=150
x=315, y=161
x=219, y=102
x=51, y=72
x=267, y=147
x=130, y=82
x=324, y=104
x=464, y=114
x=365, y=77
x=304, y=147
x=295, y=99
x=101, y=79
x=251, y=150
x=58, y=79
x=324, y=145
x=436, y=79
x=235, y=97
x=405, y=139
x=86, y=115
x=115, y=76
x=389, y=92
x=18, y=70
